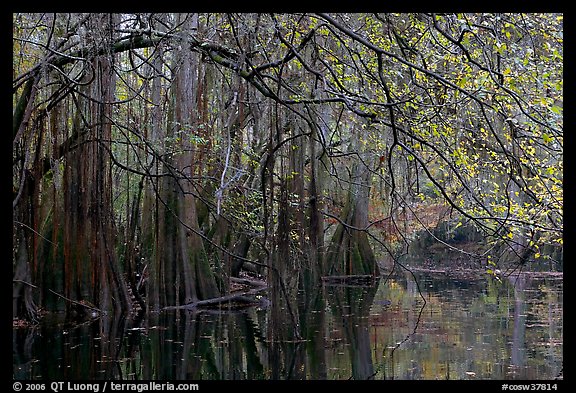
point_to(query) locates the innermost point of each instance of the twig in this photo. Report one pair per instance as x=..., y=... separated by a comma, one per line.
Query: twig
x=75, y=302
x=25, y=282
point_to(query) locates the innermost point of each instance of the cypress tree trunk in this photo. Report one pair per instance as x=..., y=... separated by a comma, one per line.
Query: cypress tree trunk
x=185, y=272
x=349, y=252
x=151, y=203
x=91, y=270
x=315, y=227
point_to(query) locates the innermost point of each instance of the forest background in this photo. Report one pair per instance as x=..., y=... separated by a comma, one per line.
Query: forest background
x=156, y=156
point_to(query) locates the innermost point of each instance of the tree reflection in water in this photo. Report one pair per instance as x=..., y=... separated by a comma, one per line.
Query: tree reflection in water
x=478, y=328
x=350, y=306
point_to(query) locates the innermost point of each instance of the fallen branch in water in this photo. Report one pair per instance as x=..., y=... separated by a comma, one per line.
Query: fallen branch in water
x=248, y=281
x=354, y=280
x=240, y=296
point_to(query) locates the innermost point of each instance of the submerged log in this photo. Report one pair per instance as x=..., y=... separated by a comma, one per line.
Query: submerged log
x=357, y=279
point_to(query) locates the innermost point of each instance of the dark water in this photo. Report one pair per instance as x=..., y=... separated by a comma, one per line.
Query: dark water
x=466, y=329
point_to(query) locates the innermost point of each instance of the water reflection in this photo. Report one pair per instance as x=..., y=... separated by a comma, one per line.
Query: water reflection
x=350, y=306
x=470, y=328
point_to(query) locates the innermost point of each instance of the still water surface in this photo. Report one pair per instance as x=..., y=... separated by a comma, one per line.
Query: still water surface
x=460, y=328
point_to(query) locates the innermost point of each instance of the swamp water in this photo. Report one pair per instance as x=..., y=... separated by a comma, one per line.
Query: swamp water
x=457, y=328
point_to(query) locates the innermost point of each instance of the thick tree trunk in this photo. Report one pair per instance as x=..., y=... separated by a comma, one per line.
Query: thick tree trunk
x=350, y=252
x=23, y=303
x=187, y=273
x=151, y=203
x=91, y=269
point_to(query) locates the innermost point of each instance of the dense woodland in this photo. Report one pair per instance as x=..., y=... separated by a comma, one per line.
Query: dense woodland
x=158, y=157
